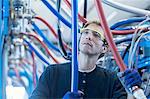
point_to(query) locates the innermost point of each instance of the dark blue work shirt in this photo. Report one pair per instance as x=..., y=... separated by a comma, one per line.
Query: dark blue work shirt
x=99, y=84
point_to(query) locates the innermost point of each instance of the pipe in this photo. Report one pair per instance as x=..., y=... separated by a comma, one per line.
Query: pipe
x=127, y=21
x=50, y=45
x=126, y=8
x=82, y=19
x=74, y=76
x=56, y=13
x=109, y=36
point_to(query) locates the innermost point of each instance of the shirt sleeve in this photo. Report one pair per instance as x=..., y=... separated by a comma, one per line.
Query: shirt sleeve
x=42, y=89
x=118, y=90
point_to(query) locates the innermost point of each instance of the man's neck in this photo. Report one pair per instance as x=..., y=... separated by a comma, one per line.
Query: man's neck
x=86, y=63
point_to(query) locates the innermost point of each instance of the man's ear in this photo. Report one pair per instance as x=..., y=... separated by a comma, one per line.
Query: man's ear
x=105, y=49
x=79, y=42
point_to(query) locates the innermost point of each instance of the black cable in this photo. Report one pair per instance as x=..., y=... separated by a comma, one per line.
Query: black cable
x=85, y=10
x=58, y=6
x=64, y=53
x=126, y=50
x=121, y=41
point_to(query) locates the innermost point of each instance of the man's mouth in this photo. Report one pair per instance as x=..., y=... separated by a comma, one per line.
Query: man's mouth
x=88, y=44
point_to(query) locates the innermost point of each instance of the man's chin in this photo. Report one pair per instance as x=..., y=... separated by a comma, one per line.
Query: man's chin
x=86, y=51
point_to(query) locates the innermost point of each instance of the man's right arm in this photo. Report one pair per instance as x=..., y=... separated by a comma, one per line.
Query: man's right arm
x=42, y=89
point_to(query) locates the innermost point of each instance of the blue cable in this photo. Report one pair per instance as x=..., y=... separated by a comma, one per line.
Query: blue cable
x=56, y=13
x=129, y=38
x=63, y=11
x=74, y=79
x=36, y=52
x=30, y=51
x=29, y=89
x=11, y=73
x=127, y=21
x=50, y=45
x=125, y=28
x=2, y=67
x=143, y=60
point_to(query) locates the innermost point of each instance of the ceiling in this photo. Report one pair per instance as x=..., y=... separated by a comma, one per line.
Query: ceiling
x=112, y=14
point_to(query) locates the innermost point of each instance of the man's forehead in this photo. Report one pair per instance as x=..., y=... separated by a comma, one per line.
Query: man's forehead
x=94, y=28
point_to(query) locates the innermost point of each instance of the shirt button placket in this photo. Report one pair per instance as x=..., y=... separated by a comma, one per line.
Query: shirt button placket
x=83, y=81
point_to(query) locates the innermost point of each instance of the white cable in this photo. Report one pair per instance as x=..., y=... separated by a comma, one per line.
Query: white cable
x=139, y=94
x=135, y=35
x=134, y=49
x=28, y=27
x=40, y=52
x=126, y=7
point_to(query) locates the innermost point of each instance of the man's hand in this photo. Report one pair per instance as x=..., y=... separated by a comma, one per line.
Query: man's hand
x=130, y=78
x=73, y=95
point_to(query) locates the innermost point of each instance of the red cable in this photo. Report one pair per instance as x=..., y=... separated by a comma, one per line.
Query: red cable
x=26, y=61
x=34, y=69
x=47, y=24
x=114, y=32
x=46, y=48
x=18, y=76
x=82, y=19
x=52, y=30
x=125, y=32
x=44, y=45
x=108, y=35
x=17, y=73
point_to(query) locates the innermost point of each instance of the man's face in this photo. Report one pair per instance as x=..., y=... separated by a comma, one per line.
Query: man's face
x=90, y=41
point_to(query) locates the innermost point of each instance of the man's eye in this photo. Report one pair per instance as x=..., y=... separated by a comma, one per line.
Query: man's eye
x=85, y=32
x=96, y=34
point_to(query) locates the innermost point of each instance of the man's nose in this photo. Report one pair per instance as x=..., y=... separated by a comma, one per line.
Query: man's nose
x=89, y=36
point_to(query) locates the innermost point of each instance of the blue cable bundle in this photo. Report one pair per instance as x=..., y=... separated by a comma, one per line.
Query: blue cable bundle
x=36, y=52
x=50, y=45
x=57, y=14
x=127, y=21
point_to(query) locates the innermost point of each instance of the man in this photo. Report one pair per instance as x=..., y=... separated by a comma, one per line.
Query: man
x=94, y=82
